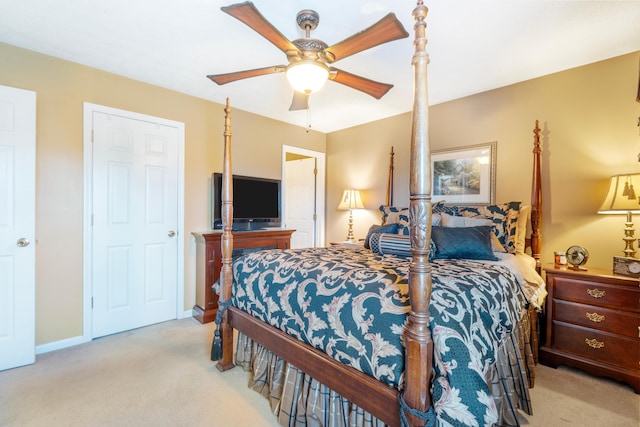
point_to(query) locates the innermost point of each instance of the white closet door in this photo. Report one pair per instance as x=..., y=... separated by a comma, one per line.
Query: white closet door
x=17, y=226
x=135, y=214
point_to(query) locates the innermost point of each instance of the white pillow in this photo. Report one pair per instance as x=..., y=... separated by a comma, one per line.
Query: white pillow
x=436, y=219
x=521, y=228
x=465, y=221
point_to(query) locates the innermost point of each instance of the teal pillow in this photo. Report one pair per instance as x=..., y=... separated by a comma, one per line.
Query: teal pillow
x=463, y=242
x=387, y=228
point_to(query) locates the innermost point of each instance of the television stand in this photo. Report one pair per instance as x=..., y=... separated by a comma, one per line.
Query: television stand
x=209, y=262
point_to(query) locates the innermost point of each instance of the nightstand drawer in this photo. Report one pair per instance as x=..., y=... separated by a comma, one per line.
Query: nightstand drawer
x=597, y=345
x=604, y=319
x=597, y=293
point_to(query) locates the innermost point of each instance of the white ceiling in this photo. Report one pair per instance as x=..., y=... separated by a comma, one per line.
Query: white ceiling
x=474, y=46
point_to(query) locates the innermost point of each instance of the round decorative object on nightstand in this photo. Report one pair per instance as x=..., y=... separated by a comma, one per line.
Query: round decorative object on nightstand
x=577, y=256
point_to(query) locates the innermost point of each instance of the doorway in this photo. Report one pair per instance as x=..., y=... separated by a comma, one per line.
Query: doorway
x=303, y=195
x=134, y=198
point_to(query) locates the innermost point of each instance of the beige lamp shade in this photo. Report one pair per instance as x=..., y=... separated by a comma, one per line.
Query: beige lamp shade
x=351, y=199
x=623, y=194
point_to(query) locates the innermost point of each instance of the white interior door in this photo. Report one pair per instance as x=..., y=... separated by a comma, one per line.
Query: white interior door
x=17, y=226
x=300, y=208
x=298, y=198
x=135, y=223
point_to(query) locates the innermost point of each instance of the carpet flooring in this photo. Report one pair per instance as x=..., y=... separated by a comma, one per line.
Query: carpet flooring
x=161, y=375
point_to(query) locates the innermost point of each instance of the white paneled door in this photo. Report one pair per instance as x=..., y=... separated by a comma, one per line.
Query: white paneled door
x=300, y=201
x=135, y=223
x=17, y=226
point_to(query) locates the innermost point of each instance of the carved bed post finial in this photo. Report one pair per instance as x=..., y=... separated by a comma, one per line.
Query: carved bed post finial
x=389, y=201
x=419, y=346
x=536, y=200
x=226, y=243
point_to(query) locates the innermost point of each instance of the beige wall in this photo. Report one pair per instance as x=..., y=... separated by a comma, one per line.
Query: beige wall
x=589, y=120
x=62, y=87
x=588, y=116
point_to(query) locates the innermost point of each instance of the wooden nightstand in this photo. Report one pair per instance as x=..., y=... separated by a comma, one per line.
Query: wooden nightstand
x=593, y=323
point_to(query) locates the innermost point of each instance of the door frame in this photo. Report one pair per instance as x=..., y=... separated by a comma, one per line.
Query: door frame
x=320, y=186
x=87, y=258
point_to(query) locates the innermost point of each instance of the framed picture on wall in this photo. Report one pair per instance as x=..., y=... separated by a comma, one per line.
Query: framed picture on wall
x=464, y=175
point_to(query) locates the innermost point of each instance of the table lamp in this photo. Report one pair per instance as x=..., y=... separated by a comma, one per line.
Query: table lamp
x=623, y=199
x=351, y=200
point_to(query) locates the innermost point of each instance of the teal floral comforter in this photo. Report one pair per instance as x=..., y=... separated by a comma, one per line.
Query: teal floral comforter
x=353, y=305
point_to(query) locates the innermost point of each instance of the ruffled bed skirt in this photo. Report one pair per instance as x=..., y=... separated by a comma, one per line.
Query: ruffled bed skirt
x=299, y=400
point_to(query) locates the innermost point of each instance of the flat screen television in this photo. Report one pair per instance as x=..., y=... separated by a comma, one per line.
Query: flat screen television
x=256, y=202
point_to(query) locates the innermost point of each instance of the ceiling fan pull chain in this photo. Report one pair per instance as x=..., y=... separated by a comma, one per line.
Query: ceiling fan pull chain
x=308, y=119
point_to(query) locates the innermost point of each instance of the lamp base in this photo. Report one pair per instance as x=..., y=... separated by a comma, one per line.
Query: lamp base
x=628, y=238
x=350, y=232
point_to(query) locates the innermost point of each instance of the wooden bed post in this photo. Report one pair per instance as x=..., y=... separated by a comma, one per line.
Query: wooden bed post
x=226, y=332
x=536, y=200
x=389, y=201
x=419, y=346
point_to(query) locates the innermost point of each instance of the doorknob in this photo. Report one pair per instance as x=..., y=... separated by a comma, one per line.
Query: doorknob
x=23, y=242
x=171, y=233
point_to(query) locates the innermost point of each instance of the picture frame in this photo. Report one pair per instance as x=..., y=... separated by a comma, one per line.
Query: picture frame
x=464, y=175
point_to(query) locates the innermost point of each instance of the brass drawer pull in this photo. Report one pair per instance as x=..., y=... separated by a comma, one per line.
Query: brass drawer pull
x=595, y=317
x=594, y=343
x=596, y=293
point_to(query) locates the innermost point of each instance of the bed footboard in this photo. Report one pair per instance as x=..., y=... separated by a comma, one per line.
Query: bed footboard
x=380, y=399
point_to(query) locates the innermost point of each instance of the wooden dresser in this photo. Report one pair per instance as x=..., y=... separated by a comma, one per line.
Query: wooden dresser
x=209, y=262
x=593, y=323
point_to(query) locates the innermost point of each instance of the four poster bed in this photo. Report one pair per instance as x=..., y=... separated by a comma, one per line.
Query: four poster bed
x=429, y=324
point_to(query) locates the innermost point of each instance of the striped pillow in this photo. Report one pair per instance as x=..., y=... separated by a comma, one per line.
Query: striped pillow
x=396, y=244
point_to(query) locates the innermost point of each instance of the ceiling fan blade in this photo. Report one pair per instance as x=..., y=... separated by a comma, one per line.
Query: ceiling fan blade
x=370, y=87
x=239, y=75
x=247, y=13
x=385, y=30
x=300, y=101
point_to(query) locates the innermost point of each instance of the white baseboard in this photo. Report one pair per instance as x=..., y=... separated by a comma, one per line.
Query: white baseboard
x=58, y=345
x=70, y=342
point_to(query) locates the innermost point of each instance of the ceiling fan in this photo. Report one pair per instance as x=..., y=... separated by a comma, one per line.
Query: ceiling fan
x=310, y=59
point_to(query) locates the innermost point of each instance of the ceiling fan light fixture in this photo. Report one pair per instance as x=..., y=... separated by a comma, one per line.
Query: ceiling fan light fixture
x=307, y=76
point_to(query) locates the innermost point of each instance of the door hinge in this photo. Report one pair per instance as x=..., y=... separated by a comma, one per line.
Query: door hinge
x=315, y=171
x=92, y=302
x=315, y=217
x=92, y=136
x=92, y=220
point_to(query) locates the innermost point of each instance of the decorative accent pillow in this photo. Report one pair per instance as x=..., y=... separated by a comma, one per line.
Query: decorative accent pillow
x=374, y=243
x=396, y=244
x=391, y=214
x=463, y=221
x=394, y=214
x=463, y=242
x=441, y=207
x=387, y=228
x=504, y=218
